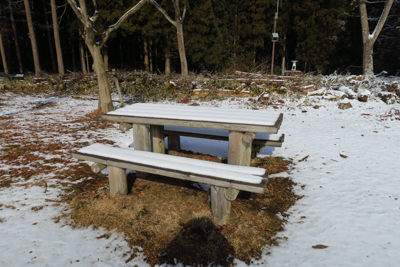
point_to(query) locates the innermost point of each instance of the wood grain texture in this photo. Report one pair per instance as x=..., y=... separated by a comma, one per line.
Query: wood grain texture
x=273, y=129
x=174, y=142
x=141, y=141
x=118, y=182
x=239, y=152
x=123, y=127
x=97, y=167
x=256, y=141
x=250, y=187
x=157, y=139
x=220, y=206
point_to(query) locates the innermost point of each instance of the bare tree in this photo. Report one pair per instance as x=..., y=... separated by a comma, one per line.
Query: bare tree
x=57, y=38
x=33, y=38
x=2, y=51
x=49, y=38
x=95, y=45
x=370, y=38
x=177, y=22
x=14, y=28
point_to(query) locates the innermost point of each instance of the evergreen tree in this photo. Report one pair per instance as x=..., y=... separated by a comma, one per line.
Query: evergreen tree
x=317, y=24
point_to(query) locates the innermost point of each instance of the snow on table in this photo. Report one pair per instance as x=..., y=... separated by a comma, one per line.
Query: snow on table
x=196, y=113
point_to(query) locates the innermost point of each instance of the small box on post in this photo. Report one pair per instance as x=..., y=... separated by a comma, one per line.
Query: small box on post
x=275, y=37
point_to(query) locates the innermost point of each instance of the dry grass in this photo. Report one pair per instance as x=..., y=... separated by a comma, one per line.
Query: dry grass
x=170, y=219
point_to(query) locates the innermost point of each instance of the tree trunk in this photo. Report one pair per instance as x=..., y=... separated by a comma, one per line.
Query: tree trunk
x=82, y=53
x=60, y=61
x=105, y=57
x=3, y=54
x=2, y=50
x=95, y=47
x=181, y=48
x=33, y=38
x=150, y=56
x=368, y=66
x=49, y=39
x=73, y=57
x=167, y=63
x=14, y=28
x=146, y=55
x=284, y=53
x=102, y=80
x=369, y=39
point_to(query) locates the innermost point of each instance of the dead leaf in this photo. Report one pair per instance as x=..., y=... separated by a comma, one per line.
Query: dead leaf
x=185, y=100
x=304, y=159
x=343, y=156
x=34, y=223
x=194, y=104
x=319, y=246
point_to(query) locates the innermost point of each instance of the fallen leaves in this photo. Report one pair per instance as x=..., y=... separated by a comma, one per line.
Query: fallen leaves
x=304, y=159
x=320, y=246
x=343, y=156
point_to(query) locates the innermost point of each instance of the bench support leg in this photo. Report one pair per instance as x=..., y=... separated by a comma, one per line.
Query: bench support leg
x=220, y=206
x=117, y=180
x=141, y=141
x=256, y=149
x=157, y=139
x=174, y=142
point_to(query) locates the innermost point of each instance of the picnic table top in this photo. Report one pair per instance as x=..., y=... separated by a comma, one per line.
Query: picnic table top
x=198, y=117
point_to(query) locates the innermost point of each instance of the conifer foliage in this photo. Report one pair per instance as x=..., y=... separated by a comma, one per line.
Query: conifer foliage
x=219, y=35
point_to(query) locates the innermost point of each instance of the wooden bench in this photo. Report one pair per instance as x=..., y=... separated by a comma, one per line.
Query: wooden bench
x=174, y=133
x=225, y=180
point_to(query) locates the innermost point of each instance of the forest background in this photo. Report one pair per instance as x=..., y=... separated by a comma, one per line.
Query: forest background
x=325, y=36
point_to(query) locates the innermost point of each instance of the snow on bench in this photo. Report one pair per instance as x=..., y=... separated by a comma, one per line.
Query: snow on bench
x=174, y=132
x=218, y=175
x=260, y=141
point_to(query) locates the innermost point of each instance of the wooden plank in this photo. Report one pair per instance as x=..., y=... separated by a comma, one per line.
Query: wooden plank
x=220, y=206
x=212, y=114
x=97, y=167
x=239, y=152
x=273, y=129
x=141, y=141
x=117, y=180
x=157, y=139
x=256, y=141
x=174, y=142
x=250, y=187
x=125, y=126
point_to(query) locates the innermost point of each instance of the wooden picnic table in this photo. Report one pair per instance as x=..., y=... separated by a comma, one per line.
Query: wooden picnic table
x=242, y=124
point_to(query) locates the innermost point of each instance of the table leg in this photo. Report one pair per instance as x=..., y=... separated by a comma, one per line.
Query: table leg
x=174, y=142
x=157, y=139
x=141, y=137
x=141, y=141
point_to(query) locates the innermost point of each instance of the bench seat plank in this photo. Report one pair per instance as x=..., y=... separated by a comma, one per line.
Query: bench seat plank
x=262, y=139
x=238, y=177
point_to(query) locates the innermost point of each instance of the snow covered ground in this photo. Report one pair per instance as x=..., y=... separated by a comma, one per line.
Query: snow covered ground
x=350, y=180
